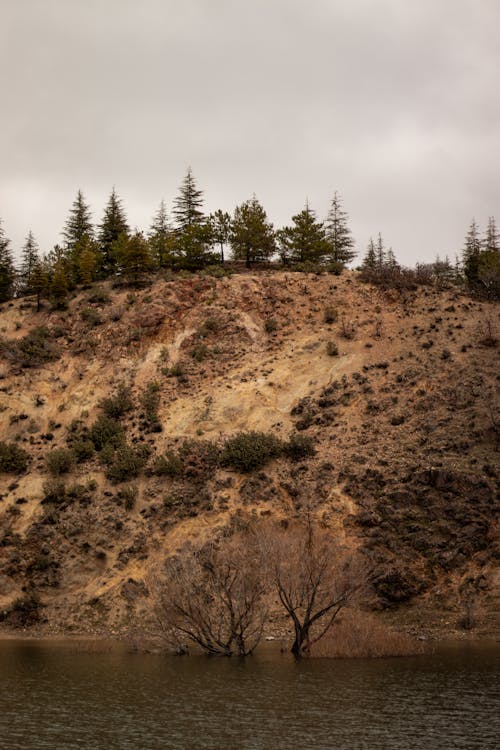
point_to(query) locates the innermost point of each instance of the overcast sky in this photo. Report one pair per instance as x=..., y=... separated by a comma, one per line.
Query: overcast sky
x=394, y=103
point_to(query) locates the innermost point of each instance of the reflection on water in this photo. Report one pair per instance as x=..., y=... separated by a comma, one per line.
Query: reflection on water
x=56, y=699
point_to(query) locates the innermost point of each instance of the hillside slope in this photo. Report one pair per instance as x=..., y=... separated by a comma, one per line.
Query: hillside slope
x=404, y=420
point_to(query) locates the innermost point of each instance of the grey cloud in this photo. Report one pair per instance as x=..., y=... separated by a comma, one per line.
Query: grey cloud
x=392, y=103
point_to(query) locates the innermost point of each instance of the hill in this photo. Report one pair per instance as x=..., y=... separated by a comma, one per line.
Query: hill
x=396, y=391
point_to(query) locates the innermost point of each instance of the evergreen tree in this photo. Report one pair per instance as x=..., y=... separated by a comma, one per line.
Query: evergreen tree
x=134, y=257
x=61, y=259
x=79, y=223
x=442, y=270
x=113, y=225
x=305, y=241
x=488, y=273
x=193, y=248
x=380, y=253
x=161, y=238
x=370, y=259
x=390, y=262
x=87, y=257
x=338, y=234
x=58, y=288
x=188, y=204
x=38, y=281
x=7, y=271
x=492, y=240
x=252, y=235
x=29, y=258
x=471, y=252
x=220, y=229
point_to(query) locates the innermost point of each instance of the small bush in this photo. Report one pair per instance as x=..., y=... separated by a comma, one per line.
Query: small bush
x=176, y=371
x=335, y=267
x=23, y=612
x=347, y=328
x=99, y=296
x=199, y=459
x=299, y=447
x=129, y=496
x=150, y=401
x=119, y=404
x=54, y=492
x=200, y=352
x=331, y=315
x=248, y=451
x=332, y=349
x=91, y=316
x=169, y=465
x=13, y=459
x=106, y=431
x=271, y=325
x=209, y=326
x=60, y=461
x=82, y=450
x=127, y=463
x=35, y=349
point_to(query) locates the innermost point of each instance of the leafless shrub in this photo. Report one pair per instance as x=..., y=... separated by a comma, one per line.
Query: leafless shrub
x=358, y=634
x=213, y=598
x=347, y=328
x=488, y=334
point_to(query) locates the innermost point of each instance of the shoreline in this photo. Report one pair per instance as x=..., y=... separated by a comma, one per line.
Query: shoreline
x=92, y=643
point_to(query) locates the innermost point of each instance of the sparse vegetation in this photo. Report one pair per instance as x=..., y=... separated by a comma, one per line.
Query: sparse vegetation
x=106, y=431
x=60, y=461
x=119, y=404
x=127, y=463
x=13, y=459
x=150, y=401
x=33, y=350
x=248, y=451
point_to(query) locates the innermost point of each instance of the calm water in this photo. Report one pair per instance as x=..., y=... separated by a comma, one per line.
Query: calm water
x=58, y=699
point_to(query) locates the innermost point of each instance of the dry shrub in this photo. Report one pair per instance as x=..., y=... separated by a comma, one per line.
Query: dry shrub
x=361, y=635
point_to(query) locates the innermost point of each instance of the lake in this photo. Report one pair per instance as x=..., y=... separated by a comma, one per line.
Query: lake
x=57, y=697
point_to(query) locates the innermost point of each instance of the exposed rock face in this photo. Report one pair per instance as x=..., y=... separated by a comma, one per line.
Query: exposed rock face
x=403, y=420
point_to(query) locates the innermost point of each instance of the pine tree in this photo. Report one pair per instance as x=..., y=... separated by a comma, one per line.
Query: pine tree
x=134, y=257
x=220, y=229
x=193, y=248
x=38, y=281
x=188, y=204
x=7, y=271
x=390, y=262
x=79, y=223
x=252, y=234
x=87, y=260
x=338, y=233
x=492, y=239
x=29, y=258
x=113, y=225
x=59, y=285
x=305, y=241
x=161, y=238
x=471, y=252
x=442, y=270
x=380, y=253
x=370, y=259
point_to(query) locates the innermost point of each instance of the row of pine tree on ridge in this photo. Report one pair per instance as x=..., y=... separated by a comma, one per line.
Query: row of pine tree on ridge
x=194, y=241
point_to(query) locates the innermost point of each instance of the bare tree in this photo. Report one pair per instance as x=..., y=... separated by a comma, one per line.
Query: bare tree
x=213, y=597
x=314, y=579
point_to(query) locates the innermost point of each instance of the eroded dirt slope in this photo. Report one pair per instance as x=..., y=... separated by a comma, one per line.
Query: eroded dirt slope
x=404, y=421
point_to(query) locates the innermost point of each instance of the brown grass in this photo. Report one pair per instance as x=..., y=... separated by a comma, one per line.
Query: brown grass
x=359, y=634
